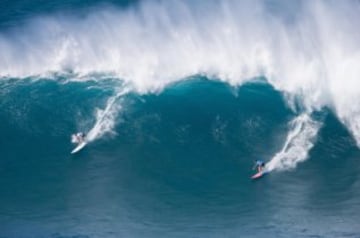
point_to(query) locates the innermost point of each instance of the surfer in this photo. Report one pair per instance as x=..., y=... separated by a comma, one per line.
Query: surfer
x=78, y=137
x=259, y=165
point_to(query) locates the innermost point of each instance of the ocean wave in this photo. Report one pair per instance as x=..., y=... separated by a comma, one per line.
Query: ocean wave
x=252, y=120
x=310, y=53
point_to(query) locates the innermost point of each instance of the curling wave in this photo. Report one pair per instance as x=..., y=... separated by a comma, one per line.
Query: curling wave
x=309, y=52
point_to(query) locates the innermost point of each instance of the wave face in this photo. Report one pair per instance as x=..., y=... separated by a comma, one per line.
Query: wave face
x=172, y=162
x=178, y=99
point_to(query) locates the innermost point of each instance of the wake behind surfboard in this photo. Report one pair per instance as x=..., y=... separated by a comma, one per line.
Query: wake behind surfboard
x=104, y=123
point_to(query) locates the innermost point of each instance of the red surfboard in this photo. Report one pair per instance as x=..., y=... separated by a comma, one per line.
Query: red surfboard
x=259, y=174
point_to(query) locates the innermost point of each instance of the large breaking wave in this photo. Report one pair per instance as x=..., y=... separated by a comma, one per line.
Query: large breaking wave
x=309, y=51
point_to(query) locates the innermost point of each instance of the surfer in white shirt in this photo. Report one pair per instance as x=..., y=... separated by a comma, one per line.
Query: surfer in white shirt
x=78, y=137
x=259, y=165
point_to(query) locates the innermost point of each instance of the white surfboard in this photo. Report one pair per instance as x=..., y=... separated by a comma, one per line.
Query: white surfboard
x=79, y=147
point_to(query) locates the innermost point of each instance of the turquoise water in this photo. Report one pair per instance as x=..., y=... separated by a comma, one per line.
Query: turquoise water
x=179, y=166
x=174, y=162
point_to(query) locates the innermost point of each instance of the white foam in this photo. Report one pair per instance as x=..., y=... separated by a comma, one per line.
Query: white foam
x=310, y=50
x=299, y=141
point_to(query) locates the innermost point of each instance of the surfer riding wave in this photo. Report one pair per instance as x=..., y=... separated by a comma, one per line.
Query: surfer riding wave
x=78, y=138
x=259, y=166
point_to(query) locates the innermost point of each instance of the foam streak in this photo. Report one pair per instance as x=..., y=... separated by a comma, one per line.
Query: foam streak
x=300, y=140
x=105, y=119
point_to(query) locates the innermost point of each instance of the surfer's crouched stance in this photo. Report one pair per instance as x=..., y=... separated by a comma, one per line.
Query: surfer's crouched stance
x=259, y=165
x=78, y=138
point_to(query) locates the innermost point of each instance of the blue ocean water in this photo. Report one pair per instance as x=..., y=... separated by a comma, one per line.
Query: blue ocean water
x=167, y=158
